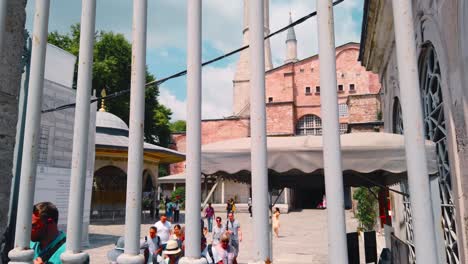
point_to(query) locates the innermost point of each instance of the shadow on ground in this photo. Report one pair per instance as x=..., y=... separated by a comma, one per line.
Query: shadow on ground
x=99, y=240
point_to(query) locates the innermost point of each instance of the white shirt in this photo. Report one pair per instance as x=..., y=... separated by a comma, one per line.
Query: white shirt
x=217, y=232
x=164, y=230
x=226, y=255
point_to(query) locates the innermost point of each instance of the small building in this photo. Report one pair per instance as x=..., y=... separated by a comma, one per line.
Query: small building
x=110, y=170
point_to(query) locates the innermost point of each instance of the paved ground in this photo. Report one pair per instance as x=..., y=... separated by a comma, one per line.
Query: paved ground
x=303, y=238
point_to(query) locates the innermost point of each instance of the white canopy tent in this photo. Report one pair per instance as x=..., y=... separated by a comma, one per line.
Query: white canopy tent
x=368, y=159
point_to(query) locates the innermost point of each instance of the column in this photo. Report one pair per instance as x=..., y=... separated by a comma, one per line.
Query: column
x=418, y=177
x=337, y=250
x=80, y=136
x=286, y=195
x=21, y=253
x=135, y=148
x=222, y=192
x=259, y=177
x=193, y=158
x=3, y=12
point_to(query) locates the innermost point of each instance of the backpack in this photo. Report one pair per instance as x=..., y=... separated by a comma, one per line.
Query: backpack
x=210, y=253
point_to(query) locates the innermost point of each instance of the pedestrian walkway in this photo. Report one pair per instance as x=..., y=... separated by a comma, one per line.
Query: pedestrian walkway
x=303, y=238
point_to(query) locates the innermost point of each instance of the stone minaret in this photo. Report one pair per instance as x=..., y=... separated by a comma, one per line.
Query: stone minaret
x=241, y=84
x=291, y=44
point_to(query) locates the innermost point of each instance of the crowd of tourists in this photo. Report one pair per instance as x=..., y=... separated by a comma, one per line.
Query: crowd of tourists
x=165, y=241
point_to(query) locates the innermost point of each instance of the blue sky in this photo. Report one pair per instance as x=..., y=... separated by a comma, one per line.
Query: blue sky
x=222, y=32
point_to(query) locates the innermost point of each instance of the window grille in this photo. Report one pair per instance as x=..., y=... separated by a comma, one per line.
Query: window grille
x=352, y=87
x=309, y=125
x=340, y=88
x=343, y=128
x=317, y=89
x=343, y=110
x=307, y=90
x=436, y=131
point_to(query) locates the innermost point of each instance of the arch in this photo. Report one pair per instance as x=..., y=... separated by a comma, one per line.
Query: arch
x=397, y=117
x=436, y=130
x=148, y=184
x=309, y=125
x=109, y=192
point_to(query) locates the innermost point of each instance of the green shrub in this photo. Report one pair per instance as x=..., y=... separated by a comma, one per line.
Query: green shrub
x=178, y=194
x=366, y=207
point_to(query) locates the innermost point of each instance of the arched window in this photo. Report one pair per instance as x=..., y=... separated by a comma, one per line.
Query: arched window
x=435, y=129
x=309, y=125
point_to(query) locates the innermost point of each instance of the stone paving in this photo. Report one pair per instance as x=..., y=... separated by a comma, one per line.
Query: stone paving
x=303, y=238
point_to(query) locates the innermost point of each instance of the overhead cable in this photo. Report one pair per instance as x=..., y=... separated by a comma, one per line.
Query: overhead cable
x=184, y=72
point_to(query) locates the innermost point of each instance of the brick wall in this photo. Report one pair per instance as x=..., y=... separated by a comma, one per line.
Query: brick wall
x=287, y=100
x=280, y=119
x=363, y=108
x=212, y=131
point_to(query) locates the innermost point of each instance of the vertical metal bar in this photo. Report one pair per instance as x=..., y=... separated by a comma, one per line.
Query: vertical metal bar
x=32, y=130
x=3, y=12
x=193, y=185
x=418, y=179
x=260, y=202
x=337, y=249
x=135, y=148
x=80, y=135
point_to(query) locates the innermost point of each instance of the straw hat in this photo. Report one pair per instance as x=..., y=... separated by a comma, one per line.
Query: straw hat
x=172, y=248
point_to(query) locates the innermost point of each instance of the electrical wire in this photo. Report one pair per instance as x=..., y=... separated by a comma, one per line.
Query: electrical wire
x=184, y=72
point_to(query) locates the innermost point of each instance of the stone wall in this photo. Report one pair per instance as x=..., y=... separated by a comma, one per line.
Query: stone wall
x=441, y=24
x=10, y=80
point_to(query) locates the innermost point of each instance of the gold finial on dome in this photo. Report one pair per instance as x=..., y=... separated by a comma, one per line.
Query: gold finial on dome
x=103, y=104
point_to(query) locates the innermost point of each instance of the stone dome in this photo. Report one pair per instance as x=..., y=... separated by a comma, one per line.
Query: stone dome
x=108, y=120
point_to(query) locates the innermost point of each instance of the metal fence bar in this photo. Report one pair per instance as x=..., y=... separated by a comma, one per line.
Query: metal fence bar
x=420, y=197
x=135, y=148
x=80, y=136
x=260, y=201
x=337, y=249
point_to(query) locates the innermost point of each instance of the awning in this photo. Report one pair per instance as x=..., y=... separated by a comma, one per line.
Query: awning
x=368, y=158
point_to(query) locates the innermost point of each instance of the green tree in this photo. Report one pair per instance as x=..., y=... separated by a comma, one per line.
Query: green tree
x=366, y=207
x=112, y=71
x=178, y=126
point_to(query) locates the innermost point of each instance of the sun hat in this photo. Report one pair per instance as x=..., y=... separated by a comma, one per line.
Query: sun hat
x=172, y=248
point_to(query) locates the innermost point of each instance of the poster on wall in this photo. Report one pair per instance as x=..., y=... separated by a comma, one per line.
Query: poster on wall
x=53, y=185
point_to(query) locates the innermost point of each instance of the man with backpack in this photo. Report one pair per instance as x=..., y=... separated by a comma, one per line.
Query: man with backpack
x=154, y=245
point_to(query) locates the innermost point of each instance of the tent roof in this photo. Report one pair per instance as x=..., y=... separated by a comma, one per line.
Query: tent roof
x=366, y=158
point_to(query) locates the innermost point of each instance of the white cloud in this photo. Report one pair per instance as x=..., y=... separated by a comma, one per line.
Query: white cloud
x=216, y=95
x=177, y=106
x=217, y=91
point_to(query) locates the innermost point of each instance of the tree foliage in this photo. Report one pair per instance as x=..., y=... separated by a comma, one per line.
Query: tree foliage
x=178, y=126
x=112, y=70
x=366, y=207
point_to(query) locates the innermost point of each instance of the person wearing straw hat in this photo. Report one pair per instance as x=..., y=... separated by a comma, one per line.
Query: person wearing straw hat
x=171, y=253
